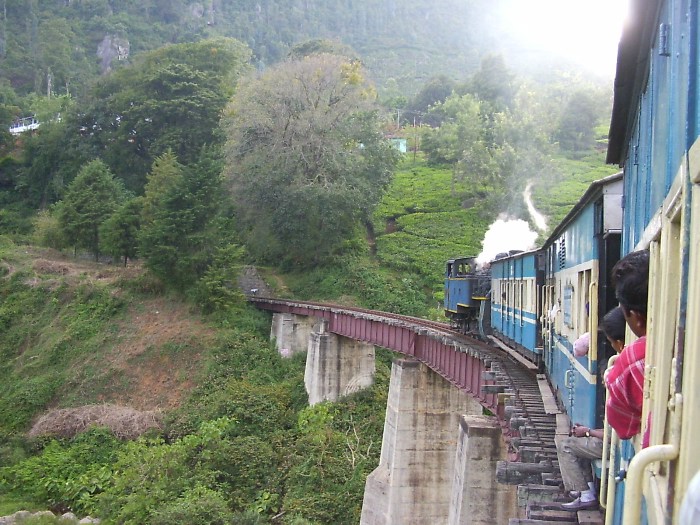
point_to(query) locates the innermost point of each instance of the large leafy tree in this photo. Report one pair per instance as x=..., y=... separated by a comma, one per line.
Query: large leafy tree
x=305, y=157
x=168, y=99
x=90, y=200
x=493, y=83
x=433, y=93
x=577, y=122
x=492, y=152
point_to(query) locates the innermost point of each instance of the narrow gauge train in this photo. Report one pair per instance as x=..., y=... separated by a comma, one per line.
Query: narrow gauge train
x=541, y=301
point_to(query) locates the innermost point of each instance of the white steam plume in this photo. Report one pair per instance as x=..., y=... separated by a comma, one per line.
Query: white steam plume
x=539, y=219
x=506, y=234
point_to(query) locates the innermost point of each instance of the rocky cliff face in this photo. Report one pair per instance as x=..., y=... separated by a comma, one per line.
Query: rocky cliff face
x=110, y=49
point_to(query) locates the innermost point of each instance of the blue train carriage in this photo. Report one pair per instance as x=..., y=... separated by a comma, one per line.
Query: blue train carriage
x=516, y=281
x=466, y=290
x=577, y=260
x=654, y=135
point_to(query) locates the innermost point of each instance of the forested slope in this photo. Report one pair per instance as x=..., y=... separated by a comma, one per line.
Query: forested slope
x=67, y=43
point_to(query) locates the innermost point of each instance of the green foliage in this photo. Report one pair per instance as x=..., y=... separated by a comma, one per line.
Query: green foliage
x=151, y=474
x=90, y=200
x=433, y=92
x=119, y=232
x=24, y=399
x=305, y=158
x=422, y=222
x=46, y=329
x=217, y=287
x=164, y=177
x=577, y=122
x=556, y=198
x=339, y=445
x=359, y=280
x=319, y=46
x=50, y=162
x=196, y=505
x=65, y=476
x=180, y=235
x=168, y=99
x=48, y=231
x=493, y=83
x=15, y=219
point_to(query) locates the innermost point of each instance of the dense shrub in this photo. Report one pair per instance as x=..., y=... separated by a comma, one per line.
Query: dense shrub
x=66, y=475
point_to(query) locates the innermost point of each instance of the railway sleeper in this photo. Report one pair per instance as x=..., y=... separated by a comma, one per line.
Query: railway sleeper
x=537, y=454
x=516, y=472
x=558, y=516
x=528, y=493
x=516, y=521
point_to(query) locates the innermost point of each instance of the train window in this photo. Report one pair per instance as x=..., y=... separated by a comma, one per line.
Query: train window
x=583, y=301
x=567, y=306
x=511, y=297
x=522, y=301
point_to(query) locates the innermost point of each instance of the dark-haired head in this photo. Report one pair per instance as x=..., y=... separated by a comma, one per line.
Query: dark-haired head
x=613, y=327
x=630, y=277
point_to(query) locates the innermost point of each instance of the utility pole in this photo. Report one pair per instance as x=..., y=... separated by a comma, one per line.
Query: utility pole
x=415, y=139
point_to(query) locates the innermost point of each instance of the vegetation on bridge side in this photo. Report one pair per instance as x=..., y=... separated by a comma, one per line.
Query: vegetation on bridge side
x=238, y=441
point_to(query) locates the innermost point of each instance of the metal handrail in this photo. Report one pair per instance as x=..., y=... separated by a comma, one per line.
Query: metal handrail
x=644, y=458
x=607, y=475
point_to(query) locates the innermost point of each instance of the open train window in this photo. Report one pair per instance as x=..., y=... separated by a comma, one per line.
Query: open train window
x=583, y=301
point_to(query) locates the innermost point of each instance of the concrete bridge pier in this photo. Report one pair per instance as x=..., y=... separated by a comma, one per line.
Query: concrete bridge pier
x=291, y=332
x=477, y=499
x=413, y=483
x=336, y=366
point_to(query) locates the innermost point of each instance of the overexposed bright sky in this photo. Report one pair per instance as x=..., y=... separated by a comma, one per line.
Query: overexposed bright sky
x=586, y=31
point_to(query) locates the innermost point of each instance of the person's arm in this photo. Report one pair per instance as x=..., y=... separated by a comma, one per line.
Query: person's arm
x=581, y=431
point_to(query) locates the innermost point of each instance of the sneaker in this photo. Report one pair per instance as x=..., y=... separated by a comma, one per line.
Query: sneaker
x=577, y=505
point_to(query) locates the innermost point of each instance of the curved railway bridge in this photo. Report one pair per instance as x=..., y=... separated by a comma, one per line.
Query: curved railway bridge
x=518, y=405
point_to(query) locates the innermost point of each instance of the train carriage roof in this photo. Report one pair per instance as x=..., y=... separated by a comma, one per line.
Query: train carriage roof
x=630, y=76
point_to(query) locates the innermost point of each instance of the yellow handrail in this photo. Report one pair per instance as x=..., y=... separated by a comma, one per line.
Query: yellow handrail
x=641, y=460
x=608, y=451
x=611, y=486
x=592, y=324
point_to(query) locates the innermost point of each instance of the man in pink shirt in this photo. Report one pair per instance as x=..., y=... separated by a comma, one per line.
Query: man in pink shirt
x=625, y=380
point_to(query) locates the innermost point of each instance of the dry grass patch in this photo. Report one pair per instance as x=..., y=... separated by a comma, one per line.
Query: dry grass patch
x=124, y=422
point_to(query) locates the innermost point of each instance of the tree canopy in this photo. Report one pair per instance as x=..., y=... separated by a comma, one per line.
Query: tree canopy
x=305, y=156
x=168, y=99
x=90, y=200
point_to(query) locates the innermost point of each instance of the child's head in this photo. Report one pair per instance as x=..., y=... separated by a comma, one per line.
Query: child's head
x=630, y=277
x=613, y=327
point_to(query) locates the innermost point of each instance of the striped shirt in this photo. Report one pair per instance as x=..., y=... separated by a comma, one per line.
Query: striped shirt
x=625, y=384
